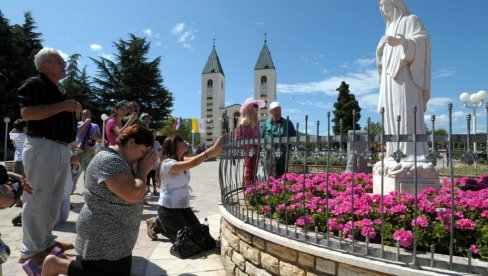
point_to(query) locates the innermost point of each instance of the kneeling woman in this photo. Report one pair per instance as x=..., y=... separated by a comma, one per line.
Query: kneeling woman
x=108, y=223
x=174, y=212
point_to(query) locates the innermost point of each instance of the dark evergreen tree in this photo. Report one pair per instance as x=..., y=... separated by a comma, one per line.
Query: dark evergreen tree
x=346, y=102
x=132, y=77
x=78, y=86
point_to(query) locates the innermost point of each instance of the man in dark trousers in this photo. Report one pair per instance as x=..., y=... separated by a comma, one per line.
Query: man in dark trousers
x=51, y=127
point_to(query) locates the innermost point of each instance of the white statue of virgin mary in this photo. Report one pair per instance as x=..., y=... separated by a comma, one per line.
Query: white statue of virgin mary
x=403, y=57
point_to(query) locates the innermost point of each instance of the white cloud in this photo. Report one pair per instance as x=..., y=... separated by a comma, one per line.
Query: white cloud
x=178, y=28
x=364, y=62
x=442, y=121
x=444, y=73
x=64, y=55
x=439, y=103
x=315, y=104
x=107, y=56
x=147, y=32
x=183, y=34
x=369, y=102
x=95, y=47
x=360, y=83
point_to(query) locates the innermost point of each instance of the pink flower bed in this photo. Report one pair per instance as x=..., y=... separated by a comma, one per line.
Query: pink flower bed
x=308, y=207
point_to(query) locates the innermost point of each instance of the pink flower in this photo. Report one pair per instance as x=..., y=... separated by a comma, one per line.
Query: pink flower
x=484, y=214
x=266, y=209
x=405, y=237
x=465, y=224
x=421, y=221
x=301, y=220
x=334, y=225
x=474, y=249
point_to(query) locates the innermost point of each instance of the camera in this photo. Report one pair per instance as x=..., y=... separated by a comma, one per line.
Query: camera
x=90, y=142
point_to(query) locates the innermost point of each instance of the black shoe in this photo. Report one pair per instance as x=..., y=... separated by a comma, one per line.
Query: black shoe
x=71, y=207
x=17, y=220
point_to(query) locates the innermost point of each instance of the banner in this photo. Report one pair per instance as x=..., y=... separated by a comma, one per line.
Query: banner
x=201, y=125
x=179, y=122
x=194, y=125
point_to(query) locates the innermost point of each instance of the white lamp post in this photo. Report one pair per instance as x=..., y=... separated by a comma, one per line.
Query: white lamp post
x=6, y=120
x=104, y=118
x=477, y=100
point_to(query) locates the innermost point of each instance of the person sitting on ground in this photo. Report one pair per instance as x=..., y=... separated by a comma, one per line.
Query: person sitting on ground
x=108, y=224
x=11, y=187
x=174, y=212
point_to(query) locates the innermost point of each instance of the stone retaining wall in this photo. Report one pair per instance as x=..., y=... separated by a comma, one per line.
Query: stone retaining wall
x=248, y=250
x=245, y=254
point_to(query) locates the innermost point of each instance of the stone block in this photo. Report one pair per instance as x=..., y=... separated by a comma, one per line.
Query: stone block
x=306, y=259
x=281, y=251
x=259, y=243
x=326, y=266
x=250, y=253
x=349, y=270
x=270, y=263
x=229, y=266
x=240, y=272
x=227, y=225
x=239, y=261
x=252, y=270
x=232, y=239
x=287, y=269
x=245, y=236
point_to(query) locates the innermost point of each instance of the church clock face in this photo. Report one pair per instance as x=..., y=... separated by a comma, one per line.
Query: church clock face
x=263, y=88
x=209, y=92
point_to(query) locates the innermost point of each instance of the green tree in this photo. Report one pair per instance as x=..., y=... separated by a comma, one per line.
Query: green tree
x=18, y=45
x=169, y=126
x=346, y=102
x=78, y=86
x=132, y=77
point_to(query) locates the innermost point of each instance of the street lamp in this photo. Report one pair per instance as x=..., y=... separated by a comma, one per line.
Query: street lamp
x=477, y=100
x=104, y=118
x=6, y=120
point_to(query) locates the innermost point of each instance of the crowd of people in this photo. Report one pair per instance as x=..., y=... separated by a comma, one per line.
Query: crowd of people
x=56, y=141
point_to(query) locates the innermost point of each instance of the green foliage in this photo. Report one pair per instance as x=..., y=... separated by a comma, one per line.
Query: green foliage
x=345, y=104
x=132, y=77
x=169, y=125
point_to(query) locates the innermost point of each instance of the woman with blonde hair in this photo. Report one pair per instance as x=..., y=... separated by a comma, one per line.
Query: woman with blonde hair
x=249, y=129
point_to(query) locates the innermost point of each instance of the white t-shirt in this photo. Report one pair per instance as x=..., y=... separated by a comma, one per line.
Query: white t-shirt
x=175, y=191
x=18, y=138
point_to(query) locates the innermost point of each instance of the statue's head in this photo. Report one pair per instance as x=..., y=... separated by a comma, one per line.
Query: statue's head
x=392, y=9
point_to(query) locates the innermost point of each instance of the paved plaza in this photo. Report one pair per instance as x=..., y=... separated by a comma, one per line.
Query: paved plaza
x=149, y=257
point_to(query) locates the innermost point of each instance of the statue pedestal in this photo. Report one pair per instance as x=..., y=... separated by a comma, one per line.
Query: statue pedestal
x=400, y=176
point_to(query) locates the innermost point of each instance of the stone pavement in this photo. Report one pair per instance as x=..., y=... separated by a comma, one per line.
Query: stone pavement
x=150, y=258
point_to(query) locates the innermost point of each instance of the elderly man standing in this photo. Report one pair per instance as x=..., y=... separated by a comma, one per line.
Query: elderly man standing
x=51, y=126
x=275, y=127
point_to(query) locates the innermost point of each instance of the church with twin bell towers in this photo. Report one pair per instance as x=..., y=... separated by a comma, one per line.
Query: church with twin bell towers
x=213, y=109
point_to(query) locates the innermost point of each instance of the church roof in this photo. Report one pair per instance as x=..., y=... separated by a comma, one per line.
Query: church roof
x=213, y=64
x=264, y=60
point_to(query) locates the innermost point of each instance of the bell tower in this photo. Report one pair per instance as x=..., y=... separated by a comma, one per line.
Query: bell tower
x=265, y=79
x=213, y=96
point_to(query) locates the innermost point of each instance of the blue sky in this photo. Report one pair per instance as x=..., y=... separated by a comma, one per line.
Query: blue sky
x=314, y=44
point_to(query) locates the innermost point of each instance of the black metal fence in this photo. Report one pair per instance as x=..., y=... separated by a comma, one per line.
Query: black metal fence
x=313, y=203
